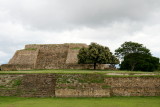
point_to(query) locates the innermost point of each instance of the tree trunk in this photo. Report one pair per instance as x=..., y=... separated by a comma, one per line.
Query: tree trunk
x=132, y=67
x=94, y=66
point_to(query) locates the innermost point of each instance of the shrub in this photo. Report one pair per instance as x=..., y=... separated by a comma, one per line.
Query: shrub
x=139, y=62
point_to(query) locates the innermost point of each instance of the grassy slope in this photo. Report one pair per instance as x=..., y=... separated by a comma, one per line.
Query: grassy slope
x=74, y=71
x=71, y=71
x=80, y=102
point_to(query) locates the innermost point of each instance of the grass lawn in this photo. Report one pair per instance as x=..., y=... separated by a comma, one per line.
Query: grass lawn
x=75, y=71
x=80, y=102
x=109, y=73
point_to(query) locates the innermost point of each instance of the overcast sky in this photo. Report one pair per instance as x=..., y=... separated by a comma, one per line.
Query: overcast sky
x=107, y=22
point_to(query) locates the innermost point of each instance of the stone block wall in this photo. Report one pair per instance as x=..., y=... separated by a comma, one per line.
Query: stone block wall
x=83, y=66
x=72, y=53
x=134, y=86
x=26, y=57
x=22, y=60
x=27, y=85
x=72, y=56
x=52, y=57
x=14, y=67
x=77, y=85
x=33, y=85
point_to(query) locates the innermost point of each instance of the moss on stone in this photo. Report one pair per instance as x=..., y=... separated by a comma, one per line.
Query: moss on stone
x=80, y=78
x=30, y=49
x=2, y=86
x=76, y=48
x=16, y=82
x=105, y=87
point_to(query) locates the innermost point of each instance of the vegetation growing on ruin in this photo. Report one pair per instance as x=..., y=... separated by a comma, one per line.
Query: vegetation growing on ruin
x=106, y=86
x=76, y=48
x=12, y=84
x=2, y=86
x=16, y=82
x=30, y=49
x=78, y=78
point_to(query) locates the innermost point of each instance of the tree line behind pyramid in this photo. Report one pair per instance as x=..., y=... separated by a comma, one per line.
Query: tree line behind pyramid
x=133, y=56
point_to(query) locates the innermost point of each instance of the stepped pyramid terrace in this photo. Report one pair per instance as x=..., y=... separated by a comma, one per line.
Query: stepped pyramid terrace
x=48, y=56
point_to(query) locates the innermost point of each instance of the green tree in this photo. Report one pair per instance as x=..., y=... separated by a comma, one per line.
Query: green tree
x=139, y=62
x=96, y=54
x=158, y=68
x=131, y=47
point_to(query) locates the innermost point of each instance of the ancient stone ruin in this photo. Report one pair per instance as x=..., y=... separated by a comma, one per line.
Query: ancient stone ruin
x=48, y=56
x=77, y=85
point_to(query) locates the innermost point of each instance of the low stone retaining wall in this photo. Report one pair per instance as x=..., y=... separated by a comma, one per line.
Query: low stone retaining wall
x=14, y=67
x=77, y=85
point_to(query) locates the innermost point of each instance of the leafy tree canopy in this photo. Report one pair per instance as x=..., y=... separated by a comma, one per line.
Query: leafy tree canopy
x=158, y=67
x=139, y=62
x=131, y=47
x=96, y=54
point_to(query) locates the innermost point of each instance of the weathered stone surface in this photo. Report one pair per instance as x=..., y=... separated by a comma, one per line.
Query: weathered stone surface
x=13, y=67
x=49, y=56
x=28, y=85
x=77, y=85
x=82, y=93
x=38, y=85
x=25, y=57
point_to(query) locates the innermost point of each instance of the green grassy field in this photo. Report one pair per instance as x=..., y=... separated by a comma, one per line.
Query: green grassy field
x=80, y=102
x=108, y=73
x=75, y=71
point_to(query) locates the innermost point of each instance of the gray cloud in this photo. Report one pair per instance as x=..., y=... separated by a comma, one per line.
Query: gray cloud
x=68, y=14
